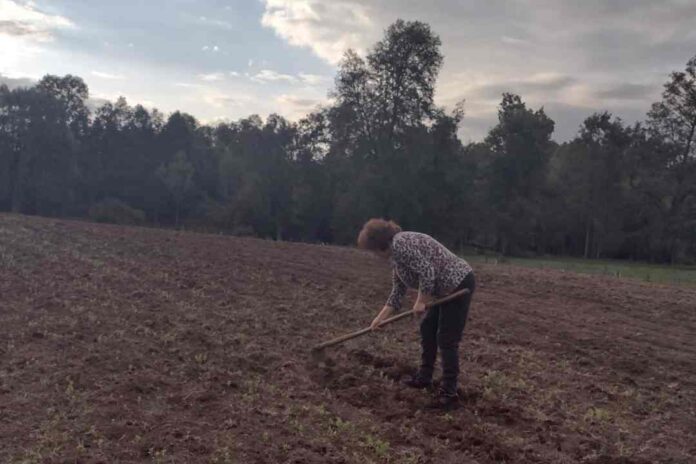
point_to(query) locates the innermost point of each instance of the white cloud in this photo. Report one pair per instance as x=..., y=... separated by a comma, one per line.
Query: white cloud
x=211, y=97
x=187, y=85
x=17, y=55
x=570, y=57
x=219, y=99
x=512, y=40
x=24, y=19
x=314, y=79
x=105, y=75
x=295, y=100
x=268, y=75
x=327, y=28
x=214, y=22
x=295, y=106
x=16, y=81
x=104, y=97
x=216, y=76
x=24, y=32
x=223, y=100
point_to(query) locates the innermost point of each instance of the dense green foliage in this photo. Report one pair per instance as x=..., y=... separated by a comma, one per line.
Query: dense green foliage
x=382, y=148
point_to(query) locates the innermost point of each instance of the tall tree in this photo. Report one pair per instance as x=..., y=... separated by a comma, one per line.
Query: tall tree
x=520, y=147
x=392, y=89
x=177, y=176
x=37, y=152
x=673, y=121
x=380, y=148
x=592, y=182
x=120, y=156
x=382, y=103
x=405, y=65
x=72, y=92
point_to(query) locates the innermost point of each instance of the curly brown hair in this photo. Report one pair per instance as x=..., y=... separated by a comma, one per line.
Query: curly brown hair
x=377, y=234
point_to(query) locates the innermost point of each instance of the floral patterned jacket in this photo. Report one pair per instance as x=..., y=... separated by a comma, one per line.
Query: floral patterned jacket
x=421, y=262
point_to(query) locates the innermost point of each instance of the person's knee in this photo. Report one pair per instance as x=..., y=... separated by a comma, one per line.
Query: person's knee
x=428, y=332
x=446, y=343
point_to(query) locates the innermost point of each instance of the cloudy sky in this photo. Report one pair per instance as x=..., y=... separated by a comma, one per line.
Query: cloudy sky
x=226, y=59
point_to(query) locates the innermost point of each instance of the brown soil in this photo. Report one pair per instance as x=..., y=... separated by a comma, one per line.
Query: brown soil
x=126, y=344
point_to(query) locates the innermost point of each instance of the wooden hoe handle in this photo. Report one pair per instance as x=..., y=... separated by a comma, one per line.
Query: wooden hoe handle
x=352, y=335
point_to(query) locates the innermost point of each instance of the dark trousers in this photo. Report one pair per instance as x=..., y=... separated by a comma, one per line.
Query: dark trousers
x=442, y=328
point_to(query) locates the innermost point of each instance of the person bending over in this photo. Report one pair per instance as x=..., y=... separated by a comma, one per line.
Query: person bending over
x=419, y=261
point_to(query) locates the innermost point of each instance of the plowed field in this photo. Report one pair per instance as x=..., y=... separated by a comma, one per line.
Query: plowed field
x=126, y=344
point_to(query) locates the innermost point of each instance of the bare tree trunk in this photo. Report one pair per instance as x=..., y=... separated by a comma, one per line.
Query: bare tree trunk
x=279, y=232
x=15, y=200
x=588, y=228
x=673, y=250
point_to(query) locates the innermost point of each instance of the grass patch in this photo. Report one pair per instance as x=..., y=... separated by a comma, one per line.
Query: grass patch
x=597, y=415
x=682, y=275
x=378, y=446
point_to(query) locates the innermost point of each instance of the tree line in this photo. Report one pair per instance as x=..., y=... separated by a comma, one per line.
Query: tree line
x=381, y=148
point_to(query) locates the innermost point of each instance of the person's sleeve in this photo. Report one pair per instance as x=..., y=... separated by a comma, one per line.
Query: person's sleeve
x=398, y=292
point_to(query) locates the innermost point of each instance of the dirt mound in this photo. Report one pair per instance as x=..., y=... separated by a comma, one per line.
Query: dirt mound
x=129, y=344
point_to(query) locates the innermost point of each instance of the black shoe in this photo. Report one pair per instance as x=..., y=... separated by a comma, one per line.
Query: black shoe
x=444, y=401
x=417, y=382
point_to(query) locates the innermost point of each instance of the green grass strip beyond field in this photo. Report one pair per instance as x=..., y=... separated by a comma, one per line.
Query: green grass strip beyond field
x=685, y=275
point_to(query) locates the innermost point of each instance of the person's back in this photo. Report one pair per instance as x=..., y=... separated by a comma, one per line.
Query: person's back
x=414, y=252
